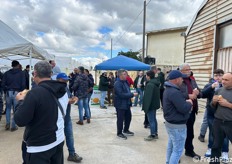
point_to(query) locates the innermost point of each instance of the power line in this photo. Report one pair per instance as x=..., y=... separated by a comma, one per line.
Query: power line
x=127, y=30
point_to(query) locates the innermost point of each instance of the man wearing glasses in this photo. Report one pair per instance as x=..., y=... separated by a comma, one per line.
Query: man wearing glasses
x=191, y=91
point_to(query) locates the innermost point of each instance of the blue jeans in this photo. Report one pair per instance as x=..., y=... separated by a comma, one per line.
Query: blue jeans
x=10, y=100
x=151, y=115
x=225, y=147
x=103, y=96
x=176, y=141
x=89, y=97
x=139, y=96
x=204, y=124
x=68, y=131
x=83, y=103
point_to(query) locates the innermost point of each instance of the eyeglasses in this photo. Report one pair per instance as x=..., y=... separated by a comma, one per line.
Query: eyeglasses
x=218, y=75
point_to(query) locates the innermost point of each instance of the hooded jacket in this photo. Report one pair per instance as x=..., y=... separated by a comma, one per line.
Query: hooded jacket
x=175, y=108
x=40, y=114
x=14, y=80
x=81, y=86
x=103, y=84
x=151, y=98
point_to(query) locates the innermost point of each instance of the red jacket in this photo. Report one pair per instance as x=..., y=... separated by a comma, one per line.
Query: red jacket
x=130, y=81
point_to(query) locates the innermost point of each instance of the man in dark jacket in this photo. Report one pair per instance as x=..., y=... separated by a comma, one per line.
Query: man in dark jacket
x=72, y=77
x=80, y=87
x=176, y=114
x=13, y=82
x=103, y=87
x=44, y=132
x=191, y=91
x=139, y=86
x=26, y=71
x=151, y=104
x=90, y=90
x=162, y=80
x=157, y=79
x=122, y=103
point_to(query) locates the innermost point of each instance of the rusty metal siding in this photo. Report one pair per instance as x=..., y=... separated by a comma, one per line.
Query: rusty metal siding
x=200, y=41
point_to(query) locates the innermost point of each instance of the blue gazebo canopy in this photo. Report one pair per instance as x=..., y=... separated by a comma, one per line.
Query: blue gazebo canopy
x=122, y=62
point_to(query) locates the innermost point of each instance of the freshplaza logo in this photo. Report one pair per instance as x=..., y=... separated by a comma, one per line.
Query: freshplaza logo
x=202, y=160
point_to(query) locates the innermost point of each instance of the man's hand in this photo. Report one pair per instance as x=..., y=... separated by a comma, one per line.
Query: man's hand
x=135, y=94
x=190, y=101
x=215, y=100
x=20, y=96
x=214, y=85
x=192, y=96
x=224, y=102
x=196, y=92
x=73, y=100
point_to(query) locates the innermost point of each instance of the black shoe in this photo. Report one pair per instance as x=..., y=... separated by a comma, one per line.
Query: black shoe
x=201, y=138
x=128, y=133
x=7, y=127
x=13, y=129
x=150, y=138
x=193, y=155
x=122, y=136
x=103, y=107
x=75, y=158
x=145, y=126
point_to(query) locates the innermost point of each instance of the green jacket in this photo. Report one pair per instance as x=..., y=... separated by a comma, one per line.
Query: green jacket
x=103, y=84
x=162, y=79
x=151, y=98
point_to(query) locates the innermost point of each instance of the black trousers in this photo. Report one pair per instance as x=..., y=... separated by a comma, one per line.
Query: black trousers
x=146, y=122
x=221, y=129
x=52, y=156
x=190, y=133
x=123, y=116
x=24, y=151
x=161, y=96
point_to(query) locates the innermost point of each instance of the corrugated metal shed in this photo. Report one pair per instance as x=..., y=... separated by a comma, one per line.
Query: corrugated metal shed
x=201, y=49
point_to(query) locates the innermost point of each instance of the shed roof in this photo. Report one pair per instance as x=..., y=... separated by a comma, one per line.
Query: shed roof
x=167, y=29
x=195, y=16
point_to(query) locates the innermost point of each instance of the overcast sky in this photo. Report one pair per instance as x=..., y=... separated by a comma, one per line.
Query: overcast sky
x=83, y=28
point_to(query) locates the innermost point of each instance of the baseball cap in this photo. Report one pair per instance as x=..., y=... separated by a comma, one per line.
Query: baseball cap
x=62, y=76
x=175, y=74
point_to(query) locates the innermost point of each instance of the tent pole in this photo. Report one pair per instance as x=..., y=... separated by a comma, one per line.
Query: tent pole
x=30, y=71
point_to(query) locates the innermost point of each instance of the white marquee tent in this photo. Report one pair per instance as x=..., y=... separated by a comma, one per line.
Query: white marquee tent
x=12, y=44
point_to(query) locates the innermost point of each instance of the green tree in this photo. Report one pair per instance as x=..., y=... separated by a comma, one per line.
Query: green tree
x=130, y=54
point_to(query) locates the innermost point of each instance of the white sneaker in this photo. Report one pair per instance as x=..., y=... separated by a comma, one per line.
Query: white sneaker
x=208, y=153
x=225, y=157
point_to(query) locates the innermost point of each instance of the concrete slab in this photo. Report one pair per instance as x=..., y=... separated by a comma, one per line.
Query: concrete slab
x=97, y=142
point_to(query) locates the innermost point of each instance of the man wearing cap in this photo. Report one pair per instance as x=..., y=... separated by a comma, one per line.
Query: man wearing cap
x=13, y=82
x=176, y=110
x=191, y=91
x=68, y=130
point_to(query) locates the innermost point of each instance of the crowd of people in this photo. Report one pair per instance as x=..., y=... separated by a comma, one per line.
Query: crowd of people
x=177, y=96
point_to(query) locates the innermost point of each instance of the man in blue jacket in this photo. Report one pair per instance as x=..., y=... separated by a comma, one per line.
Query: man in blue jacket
x=176, y=113
x=122, y=103
x=13, y=81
